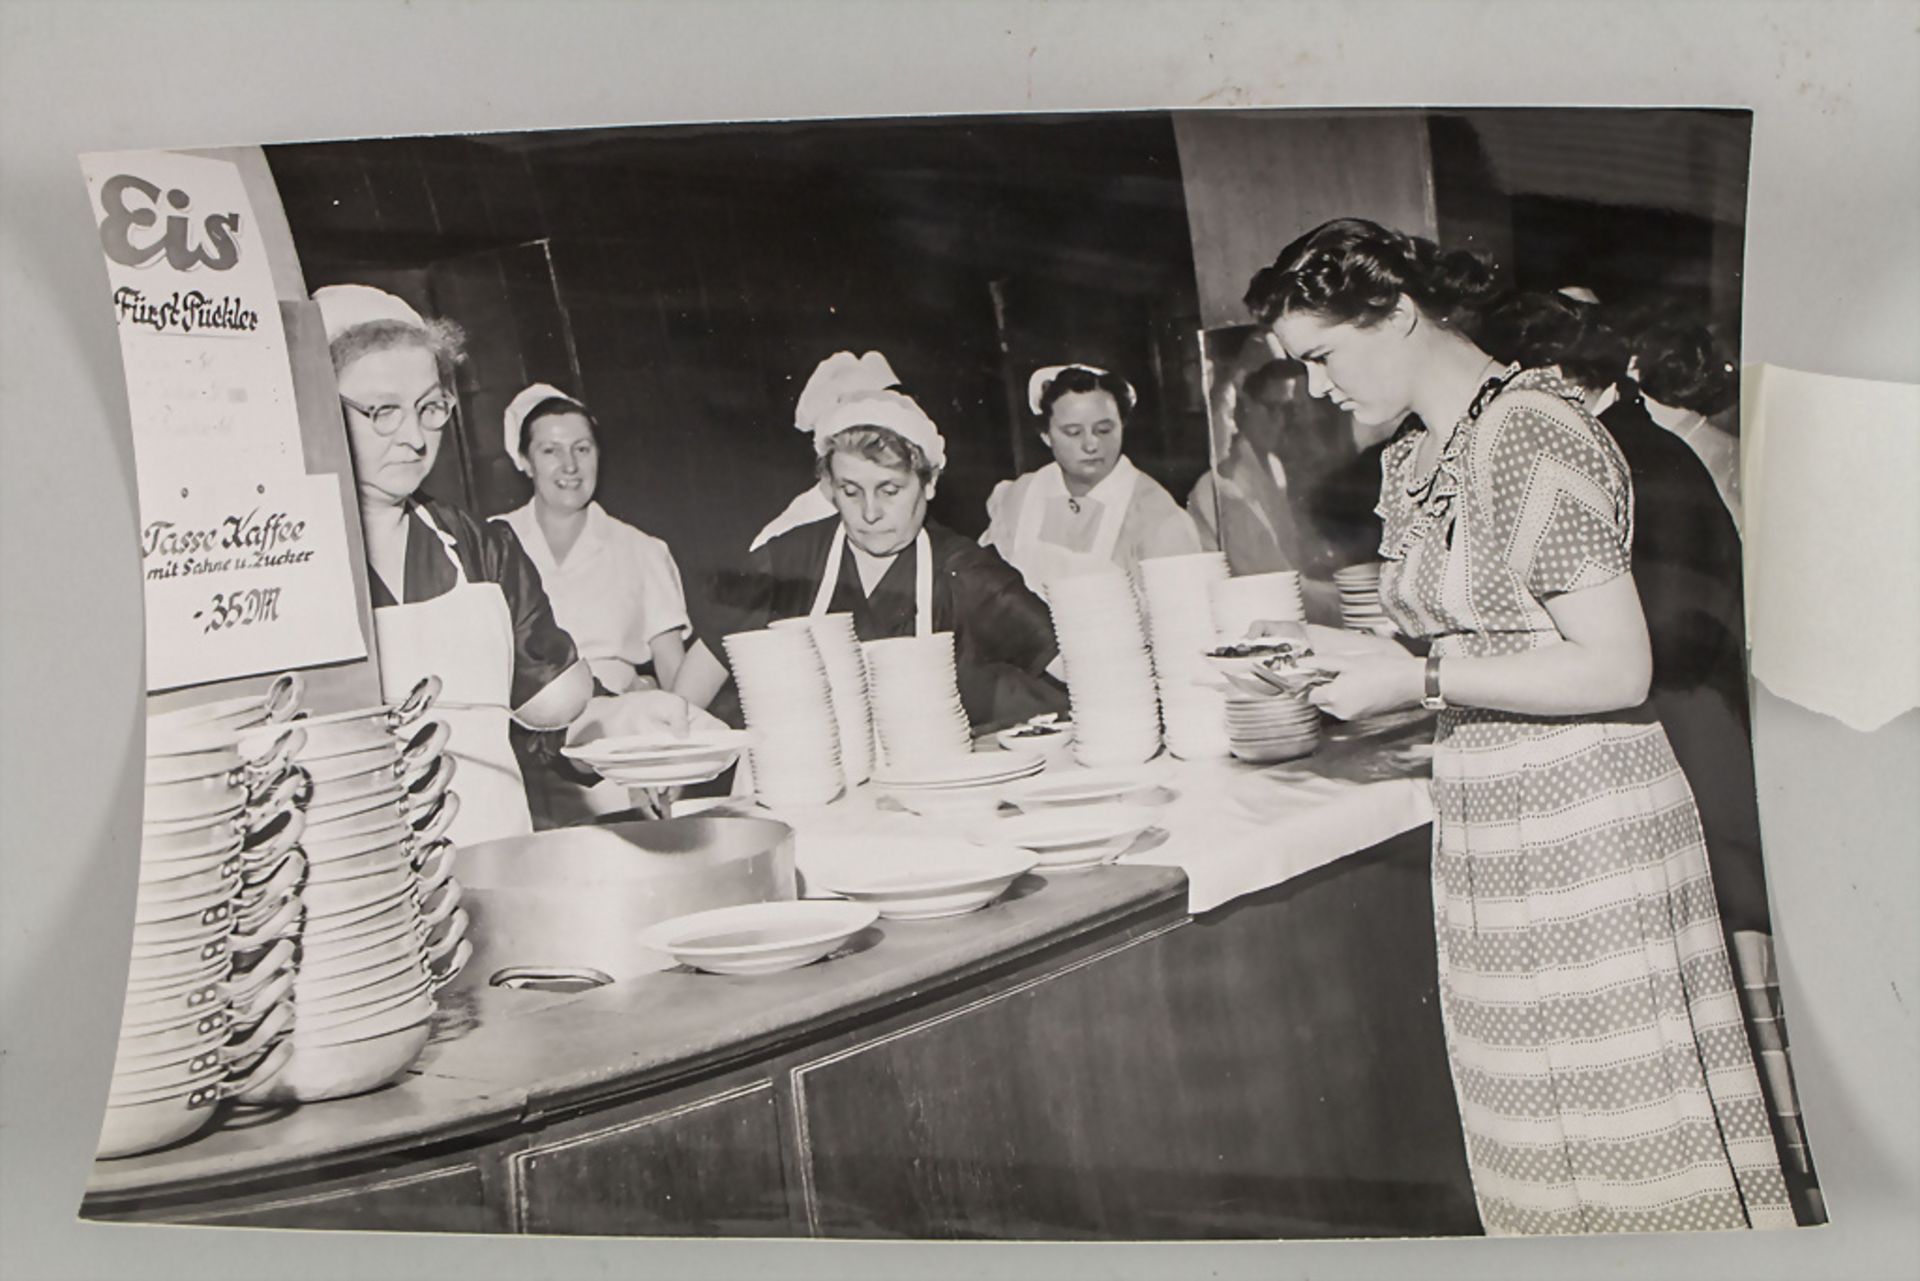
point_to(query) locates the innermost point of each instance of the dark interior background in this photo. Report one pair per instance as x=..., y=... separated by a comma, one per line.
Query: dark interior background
x=685, y=281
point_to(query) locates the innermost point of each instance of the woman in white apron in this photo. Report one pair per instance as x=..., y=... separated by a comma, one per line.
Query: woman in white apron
x=892, y=570
x=453, y=598
x=1090, y=508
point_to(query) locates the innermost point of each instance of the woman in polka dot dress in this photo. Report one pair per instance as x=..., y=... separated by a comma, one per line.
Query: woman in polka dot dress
x=1593, y=1029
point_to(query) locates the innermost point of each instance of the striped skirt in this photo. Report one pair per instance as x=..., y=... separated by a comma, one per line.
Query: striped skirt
x=1593, y=1026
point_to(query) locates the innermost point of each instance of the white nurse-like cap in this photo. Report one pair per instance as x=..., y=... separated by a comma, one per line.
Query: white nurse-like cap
x=344, y=306
x=1043, y=379
x=862, y=391
x=517, y=410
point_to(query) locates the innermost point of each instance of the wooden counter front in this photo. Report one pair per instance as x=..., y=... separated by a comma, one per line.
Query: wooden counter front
x=1083, y=1060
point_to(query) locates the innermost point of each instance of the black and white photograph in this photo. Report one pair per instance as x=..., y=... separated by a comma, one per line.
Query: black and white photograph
x=1118, y=676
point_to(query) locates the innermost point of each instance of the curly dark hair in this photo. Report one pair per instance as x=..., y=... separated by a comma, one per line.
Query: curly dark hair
x=1078, y=378
x=1352, y=271
x=1535, y=330
x=1681, y=365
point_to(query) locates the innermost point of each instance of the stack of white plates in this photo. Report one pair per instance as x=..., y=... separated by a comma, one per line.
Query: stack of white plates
x=795, y=749
x=916, y=702
x=962, y=785
x=1360, y=609
x=206, y=1012
x=1180, y=624
x=846, y=664
x=1281, y=727
x=1116, y=710
x=1239, y=603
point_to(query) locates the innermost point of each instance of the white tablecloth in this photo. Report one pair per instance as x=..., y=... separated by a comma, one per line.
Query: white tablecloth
x=1233, y=828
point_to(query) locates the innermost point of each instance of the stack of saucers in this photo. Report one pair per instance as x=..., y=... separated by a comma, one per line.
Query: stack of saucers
x=846, y=665
x=1239, y=603
x=1116, y=711
x=1180, y=625
x=795, y=756
x=916, y=702
x=205, y=1013
x=1360, y=609
x=1264, y=729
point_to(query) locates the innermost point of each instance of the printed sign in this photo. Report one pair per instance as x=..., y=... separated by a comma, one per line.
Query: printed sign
x=244, y=554
x=200, y=334
x=246, y=578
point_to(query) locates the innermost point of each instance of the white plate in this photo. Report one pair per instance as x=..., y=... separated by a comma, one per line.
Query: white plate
x=1075, y=787
x=644, y=749
x=1052, y=831
x=969, y=770
x=759, y=938
x=911, y=881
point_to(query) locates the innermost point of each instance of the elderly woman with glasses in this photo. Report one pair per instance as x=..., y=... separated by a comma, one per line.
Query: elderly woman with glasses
x=455, y=597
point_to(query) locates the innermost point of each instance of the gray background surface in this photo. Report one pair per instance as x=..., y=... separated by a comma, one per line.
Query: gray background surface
x=1833, y=286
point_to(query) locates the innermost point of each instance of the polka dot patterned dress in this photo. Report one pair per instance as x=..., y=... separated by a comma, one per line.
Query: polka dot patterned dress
x=1593, y=1027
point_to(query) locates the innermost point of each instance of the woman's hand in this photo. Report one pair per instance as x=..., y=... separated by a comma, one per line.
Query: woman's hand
x=1328, y=640
x=1368, y=684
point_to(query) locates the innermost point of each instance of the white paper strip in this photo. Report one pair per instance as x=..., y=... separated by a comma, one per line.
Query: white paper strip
x=1830, y=469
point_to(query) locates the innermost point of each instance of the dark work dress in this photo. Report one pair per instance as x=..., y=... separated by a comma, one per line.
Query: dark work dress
x=1003, y=633
x=1686, y=564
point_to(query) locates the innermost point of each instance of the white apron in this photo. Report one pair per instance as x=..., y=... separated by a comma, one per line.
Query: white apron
x=1041, y=562
x=465, y=637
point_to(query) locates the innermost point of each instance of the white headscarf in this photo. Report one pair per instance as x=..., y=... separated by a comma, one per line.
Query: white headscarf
x=517, y=410
x=344, y=306
x=848, y=391
x=1043, y=379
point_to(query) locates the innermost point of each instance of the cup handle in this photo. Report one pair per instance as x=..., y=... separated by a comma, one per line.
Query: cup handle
x=245, y=989
x=283, y=696
x=456, y=933
x=267, y=757
x=440, y=817
x=265, y=999
x=250, y=1085
x=441, y=856
x=415, y=704
x=428, y=850
x=422, y=751
x=278, y=845
x=273, y=928
x=278, y=1019
x=429, y=785
x=461, y=955
x=449, y=899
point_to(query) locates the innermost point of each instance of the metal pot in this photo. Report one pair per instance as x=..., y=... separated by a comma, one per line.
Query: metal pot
x=578, y=897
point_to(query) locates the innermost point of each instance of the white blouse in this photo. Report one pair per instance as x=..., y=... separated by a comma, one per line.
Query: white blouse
x=615, y=592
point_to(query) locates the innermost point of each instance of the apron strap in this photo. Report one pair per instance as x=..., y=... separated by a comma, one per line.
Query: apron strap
x=922, y=579
x=446, y=544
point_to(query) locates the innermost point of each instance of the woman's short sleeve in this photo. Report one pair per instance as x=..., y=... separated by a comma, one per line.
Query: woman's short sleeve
x=662, y=598
x=1553, y=493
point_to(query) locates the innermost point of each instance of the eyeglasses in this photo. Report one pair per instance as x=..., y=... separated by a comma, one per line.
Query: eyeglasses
x=386, y=419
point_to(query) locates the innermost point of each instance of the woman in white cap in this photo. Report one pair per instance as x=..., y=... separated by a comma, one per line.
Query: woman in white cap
x=840, y=374
x=1090, y=508
x=879, y=458
x=614, y=588
x=455, y=597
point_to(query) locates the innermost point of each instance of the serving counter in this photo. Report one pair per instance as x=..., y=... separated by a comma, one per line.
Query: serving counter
x=1093, y=1056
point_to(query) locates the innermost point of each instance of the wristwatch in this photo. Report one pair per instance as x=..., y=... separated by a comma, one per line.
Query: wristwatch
x=1432, y=699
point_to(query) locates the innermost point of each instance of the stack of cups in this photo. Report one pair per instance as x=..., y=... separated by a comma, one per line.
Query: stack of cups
x=383, y=928
x=1360, y=609
x=1116, y=712
x=1238, y=603
x=846, y=665
x=206, y=1014
x=795, y=754
x=1180, y=625
x=917, y=712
